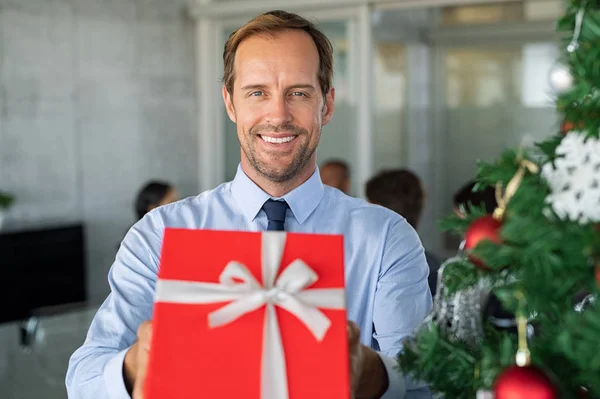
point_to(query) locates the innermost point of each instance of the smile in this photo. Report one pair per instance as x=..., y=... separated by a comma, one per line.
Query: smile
x=277, y=140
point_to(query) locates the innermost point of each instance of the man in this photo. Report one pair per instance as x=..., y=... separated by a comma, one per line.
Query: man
x=336, y=173
x=401, y=191
x=277, y=89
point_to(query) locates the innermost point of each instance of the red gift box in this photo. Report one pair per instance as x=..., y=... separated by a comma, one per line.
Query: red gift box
x=249, y=315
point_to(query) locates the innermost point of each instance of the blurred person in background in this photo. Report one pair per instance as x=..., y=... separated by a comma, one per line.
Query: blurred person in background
x=401, y=191
x=336, y=173
x=465, y=197
x=153, y=195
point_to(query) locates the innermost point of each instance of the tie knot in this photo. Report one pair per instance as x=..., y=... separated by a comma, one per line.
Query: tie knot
x=275, y=211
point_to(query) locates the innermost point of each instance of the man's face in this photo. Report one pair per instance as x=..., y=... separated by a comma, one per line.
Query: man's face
x=278, y=105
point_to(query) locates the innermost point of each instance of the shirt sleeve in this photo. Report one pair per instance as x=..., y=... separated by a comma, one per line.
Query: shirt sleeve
x=402, y=301
x=96, y=369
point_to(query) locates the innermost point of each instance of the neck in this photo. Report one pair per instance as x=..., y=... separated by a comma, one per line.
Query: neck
x=278, y=189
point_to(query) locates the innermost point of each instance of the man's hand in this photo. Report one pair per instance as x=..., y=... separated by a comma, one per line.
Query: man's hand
x=368, y=377
x=356, y=356
x=136, y=361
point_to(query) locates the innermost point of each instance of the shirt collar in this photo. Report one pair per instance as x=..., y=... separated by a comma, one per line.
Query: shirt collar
x=303, y=200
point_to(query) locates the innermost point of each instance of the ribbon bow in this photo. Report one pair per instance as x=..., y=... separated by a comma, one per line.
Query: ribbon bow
x=289, y=292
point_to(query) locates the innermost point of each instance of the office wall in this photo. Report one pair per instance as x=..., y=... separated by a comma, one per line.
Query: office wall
x=96, y=97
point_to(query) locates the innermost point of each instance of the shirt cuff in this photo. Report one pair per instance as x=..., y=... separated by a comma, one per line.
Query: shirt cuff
x=113, y=377
x=396, y=385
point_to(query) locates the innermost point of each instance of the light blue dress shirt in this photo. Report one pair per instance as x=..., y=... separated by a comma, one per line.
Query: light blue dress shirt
x=386, y=275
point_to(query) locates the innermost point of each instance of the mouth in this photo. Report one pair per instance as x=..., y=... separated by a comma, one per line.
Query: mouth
x=277, y=140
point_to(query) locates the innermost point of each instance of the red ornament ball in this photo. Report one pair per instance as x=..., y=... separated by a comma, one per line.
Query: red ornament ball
x=484, y=228
x=524, y=383
x=567, y=126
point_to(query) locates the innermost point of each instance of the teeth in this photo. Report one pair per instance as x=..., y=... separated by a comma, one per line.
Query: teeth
x=277, y=140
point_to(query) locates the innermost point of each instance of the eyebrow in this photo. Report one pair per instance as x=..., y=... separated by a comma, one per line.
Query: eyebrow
x=298, y=86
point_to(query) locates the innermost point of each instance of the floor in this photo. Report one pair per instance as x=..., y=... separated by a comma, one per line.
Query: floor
x=39, y=372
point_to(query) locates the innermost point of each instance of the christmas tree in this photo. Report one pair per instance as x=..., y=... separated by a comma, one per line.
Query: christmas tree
x=538, y=256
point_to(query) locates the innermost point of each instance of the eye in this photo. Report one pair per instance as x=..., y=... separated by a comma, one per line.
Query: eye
x=257, y=93
x=298, y=94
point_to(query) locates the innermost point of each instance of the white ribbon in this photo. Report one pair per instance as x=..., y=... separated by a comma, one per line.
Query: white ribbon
x=288, y=292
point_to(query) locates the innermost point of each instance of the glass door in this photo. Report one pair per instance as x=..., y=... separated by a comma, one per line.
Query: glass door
x=491, y=85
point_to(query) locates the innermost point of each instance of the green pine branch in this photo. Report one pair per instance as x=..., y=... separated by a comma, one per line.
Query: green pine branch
x=577, y=339
x=460, y=275
x=431, y=357
x=6, y=200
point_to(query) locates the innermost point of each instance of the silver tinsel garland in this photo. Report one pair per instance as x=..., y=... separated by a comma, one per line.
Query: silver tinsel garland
x=459, y=315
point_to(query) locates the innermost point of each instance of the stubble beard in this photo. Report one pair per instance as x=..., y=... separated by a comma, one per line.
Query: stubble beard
x=276, y=175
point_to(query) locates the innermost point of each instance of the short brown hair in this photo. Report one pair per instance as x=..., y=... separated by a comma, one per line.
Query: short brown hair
x=269, y=24
x=399, y=190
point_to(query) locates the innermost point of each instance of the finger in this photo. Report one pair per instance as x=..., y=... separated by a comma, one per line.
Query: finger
x=144, y=337
x=138, y=389
x=145, y=334
x=137, y=392
x=353, y=333
x=355, y=355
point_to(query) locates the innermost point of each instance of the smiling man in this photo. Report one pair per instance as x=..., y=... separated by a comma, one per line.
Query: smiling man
x=278, y=70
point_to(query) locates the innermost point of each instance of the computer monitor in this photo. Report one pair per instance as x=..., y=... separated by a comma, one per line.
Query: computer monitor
x=40, y=268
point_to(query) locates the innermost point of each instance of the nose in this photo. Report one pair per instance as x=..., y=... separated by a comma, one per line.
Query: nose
x=279, y=111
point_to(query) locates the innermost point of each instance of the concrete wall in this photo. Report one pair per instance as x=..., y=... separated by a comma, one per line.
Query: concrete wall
x=96, y=97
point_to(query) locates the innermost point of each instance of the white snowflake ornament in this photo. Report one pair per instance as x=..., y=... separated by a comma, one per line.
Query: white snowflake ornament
x=574, y=179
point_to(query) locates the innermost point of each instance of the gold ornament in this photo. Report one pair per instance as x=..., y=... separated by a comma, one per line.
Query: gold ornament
x=503, y=198
x=523, y=357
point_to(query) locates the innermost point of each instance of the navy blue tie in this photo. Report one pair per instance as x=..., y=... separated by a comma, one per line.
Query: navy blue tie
x=275, y=211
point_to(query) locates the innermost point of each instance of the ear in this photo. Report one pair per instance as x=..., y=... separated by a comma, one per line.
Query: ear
x=228, y=100
x=328, y=106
